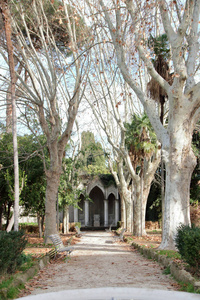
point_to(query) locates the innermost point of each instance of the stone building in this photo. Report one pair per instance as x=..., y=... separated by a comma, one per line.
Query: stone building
x=102, y=211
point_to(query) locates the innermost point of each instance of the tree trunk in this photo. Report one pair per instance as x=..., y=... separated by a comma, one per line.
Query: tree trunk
x=9, y=114
x=129, y=211
x=39, y=219
x=162, y=190
x=123, y=211
x=177, y=195
x=7, y=212
x=53, y=179
x=66, y=219
x=137, y=215
x=8, y=110
x=1, y=214
x=10, y=224
x=145, y=194
x=142, y=188
x=57, y=214
x=42, y=223
x=8, y=31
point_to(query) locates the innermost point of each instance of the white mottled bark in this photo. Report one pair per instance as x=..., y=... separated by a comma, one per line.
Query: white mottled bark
x=66, y=219
x=48, y=90
x=183, y=97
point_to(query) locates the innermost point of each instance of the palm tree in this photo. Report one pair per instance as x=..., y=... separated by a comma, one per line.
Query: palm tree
x=161, y=50
x=141, y=140
x=142, y=145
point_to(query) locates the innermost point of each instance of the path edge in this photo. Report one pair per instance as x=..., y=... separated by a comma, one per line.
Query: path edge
x=175, y=270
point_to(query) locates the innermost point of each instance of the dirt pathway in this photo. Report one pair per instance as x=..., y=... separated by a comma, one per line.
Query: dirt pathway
x=99, y=261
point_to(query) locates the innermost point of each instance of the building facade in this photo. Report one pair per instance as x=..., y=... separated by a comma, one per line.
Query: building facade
x=102, y=211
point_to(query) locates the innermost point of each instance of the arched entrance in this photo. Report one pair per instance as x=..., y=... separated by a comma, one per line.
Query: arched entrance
x=111, y=209
x=96, y=207
x=102, y=211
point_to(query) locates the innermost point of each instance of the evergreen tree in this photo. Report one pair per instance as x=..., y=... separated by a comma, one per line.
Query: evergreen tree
x=92, y=155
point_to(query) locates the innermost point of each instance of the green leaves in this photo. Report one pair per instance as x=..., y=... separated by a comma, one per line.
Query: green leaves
x=92, y=155
x=160, y=45
x=188, y=243
x=11, y=246
x=140, y=139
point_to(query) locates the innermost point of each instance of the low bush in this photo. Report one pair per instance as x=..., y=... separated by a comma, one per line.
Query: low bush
x=188, y=244
x=11, y=246
x=78, y=224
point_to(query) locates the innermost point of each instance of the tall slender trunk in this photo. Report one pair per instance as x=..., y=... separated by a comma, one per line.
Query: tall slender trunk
x=162, y=189
x=8, y=213
x=141, y=192
x=8, y=110
x=146, y=190
x=10, y=224
x=57, y=213
x=66, y=219
x=137, y=214
x=39, y=219
x=53, y=179
x=8, y=31
x=123, y=212
x=129, y=210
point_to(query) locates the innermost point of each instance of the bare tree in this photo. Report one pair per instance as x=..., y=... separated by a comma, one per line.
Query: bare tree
x=112, y=105
x=52, y=84
x=129, y=24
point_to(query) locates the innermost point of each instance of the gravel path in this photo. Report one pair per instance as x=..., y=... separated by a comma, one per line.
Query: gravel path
x=99, y=261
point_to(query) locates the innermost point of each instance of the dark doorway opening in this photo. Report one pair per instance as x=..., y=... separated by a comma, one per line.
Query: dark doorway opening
x=96, y=207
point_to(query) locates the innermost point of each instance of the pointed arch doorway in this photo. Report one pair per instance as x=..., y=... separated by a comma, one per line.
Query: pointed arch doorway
x=102, y=211
x=96, y=207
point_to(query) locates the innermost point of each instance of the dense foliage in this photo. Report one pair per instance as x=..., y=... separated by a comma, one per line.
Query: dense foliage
x=140, y=140
x=32, y=177
x=195, y=186
x=92, y=155
x=187, y=242
x=107, y=179
x=11, y=246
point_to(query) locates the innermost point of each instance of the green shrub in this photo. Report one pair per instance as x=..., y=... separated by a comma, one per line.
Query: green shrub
x=11, y=246
x=188, y=244
x=119, y=224
x=78, y=224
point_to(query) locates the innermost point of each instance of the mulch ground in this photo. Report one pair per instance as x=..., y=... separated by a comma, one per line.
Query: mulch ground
x=36, y=247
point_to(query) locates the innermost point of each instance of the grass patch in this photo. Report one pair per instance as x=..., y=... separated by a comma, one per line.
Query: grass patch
x=6, y=283
x=7, y=291
x=167, y=271
x=129, y=239
x=170, y=254
x=8, y=288
x=154, y=231
x=13, y=292
x=188, y=287
x=27, y=224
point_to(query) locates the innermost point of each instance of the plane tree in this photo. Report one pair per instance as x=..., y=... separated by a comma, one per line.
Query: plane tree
x=129, y=24
x=112, y=104
x=51, y=86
